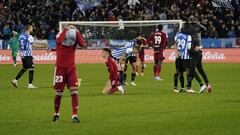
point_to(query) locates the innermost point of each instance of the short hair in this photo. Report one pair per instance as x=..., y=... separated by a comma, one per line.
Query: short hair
x=28, y=27
x=108, y=51
x=160, y=27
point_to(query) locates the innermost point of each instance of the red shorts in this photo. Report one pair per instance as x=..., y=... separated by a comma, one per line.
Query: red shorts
x=114, y=88
x=159, y=56
x=64, y=76
x=141, y=57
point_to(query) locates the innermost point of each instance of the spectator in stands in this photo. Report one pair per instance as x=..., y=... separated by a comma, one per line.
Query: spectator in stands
x=6, y=36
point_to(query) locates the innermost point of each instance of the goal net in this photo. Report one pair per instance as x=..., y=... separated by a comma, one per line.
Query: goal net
x=113, y=34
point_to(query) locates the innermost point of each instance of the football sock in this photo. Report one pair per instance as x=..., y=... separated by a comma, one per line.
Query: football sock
x=189, y=80
x=74, y=95
x=14, y=60
x=181, y=77
x=133, y=76
x=121, y=78
x=159, y=68
x=124, y=77
x=20, y=73
x=31, y=74
x=57, y=102
x=142, y=69
x=155, y=70
x=175, y=80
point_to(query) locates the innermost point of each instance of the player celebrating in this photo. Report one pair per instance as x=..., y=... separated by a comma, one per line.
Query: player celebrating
x=26, y=41
x=65, y=70
x=158, y=41
x=183, y=44
x=14, y=44
x=113, y=82
x=143, y=44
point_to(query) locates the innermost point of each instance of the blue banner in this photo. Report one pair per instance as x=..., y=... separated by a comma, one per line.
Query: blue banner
x=211, y=43
x=87, y=4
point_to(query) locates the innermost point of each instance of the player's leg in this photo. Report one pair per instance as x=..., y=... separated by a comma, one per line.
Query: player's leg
x=72, y=83
x=20, y=73
x=30, y=66
x=155, y=67
x=181, y=78
x=204, y=76
x=142, y=65
x=14, y=56
x=125, y=72
x=59, y=80
x=133, y=63
x=190, y=74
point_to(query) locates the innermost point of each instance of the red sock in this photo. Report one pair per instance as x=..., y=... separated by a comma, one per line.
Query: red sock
x=155, y=70
x=57, y=102
x=74, y=102
x=159, y=70
x=142, y=68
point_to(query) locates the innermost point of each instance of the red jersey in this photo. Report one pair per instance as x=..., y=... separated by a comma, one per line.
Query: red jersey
x=66, y=54
x=144, y=44
x=158, y=41
x=112, y=69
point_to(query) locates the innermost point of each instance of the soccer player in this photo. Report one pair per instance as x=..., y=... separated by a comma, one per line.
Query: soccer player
x=143, y=44
x=26, y=41
x=113, y=82
x=183, y=44
x=158, y=40
x=196, y=55
x=14, y=44
x=125, y=54
x=65, y=70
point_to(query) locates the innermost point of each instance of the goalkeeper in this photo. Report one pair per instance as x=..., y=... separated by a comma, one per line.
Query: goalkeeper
x=14, y=44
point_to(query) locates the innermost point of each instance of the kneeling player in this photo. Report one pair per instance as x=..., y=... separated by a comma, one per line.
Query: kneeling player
x=65, y=70
x=113, y=82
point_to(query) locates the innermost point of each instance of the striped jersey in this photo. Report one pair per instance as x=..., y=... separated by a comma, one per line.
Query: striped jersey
x=26, y=42
x=184, y=42
x=127, y=49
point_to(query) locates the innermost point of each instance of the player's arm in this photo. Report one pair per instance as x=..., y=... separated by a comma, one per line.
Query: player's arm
x=31, y=40
x=189, y=42
x=61, y=36
x=165, y=41
x=150, y=39
x=113, y=71
x=80, y=39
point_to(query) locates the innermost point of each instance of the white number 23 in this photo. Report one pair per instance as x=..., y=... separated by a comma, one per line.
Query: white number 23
x=58, y=79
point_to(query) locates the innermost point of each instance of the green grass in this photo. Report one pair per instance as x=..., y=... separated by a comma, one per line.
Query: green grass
x=150, y=108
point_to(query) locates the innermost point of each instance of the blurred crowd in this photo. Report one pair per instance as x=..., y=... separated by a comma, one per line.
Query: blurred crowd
x=45, y=15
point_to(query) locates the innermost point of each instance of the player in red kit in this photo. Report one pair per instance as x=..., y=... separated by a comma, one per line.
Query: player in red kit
x=141, y=54
x=158, y=40
x=65, y=70
x=112, y=85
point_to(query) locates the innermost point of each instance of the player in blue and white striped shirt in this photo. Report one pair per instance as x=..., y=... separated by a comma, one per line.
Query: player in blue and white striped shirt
x=25, y=43
x=182, y=63
x=125, y=54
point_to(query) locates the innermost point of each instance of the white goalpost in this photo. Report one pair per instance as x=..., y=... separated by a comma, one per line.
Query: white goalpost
x=94, y=32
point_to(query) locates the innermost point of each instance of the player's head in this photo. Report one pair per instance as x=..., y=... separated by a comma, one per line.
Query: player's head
x=29, y=28
x=160, y=27
x=139, y=41
x=106, y=52
x=185, y=28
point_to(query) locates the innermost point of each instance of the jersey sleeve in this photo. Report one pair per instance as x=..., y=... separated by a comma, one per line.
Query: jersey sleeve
x=129, y=50
x=189, y=42
x=80, y=39
x=30, y=40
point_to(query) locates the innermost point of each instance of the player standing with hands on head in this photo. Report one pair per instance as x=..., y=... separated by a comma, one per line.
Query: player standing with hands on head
x=26, y=41
x=158, y=41
x=65, y=70
x=143, y=44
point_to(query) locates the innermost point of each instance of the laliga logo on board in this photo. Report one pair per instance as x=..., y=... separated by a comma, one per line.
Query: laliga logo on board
x=213, y=56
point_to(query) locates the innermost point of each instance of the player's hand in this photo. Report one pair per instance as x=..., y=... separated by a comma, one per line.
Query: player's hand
x=72, y=27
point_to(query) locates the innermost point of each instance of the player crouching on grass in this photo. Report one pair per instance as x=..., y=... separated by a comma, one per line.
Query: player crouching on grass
x=65, y=70
x=112, y=85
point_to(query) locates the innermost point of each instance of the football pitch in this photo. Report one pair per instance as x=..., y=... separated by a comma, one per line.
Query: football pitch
x=150, y=108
